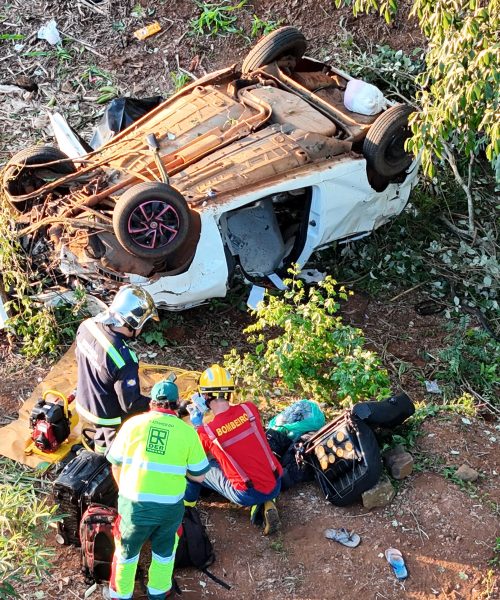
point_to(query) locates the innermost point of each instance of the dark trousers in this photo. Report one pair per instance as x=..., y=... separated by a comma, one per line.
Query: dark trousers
x=103, y=438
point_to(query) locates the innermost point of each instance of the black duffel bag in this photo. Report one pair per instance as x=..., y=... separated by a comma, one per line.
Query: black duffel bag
x=85, y=480
x=287, y=452
x=388, y=413
x=345, y=454
x=345, y=457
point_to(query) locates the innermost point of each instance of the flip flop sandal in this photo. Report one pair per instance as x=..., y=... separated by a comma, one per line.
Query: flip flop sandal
x=342, y=536
x=397, y=562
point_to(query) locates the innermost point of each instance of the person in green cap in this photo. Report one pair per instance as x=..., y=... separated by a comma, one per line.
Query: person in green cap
x=151, y=457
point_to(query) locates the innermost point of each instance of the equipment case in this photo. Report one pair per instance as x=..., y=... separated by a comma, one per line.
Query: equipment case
x=87, y=479
x=345, y=455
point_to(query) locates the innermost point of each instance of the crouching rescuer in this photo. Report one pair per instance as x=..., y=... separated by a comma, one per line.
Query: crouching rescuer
x=243, y=468
x=151, y=457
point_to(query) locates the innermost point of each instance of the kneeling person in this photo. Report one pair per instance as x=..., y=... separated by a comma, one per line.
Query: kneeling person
x=151, y=457
x=243, y=469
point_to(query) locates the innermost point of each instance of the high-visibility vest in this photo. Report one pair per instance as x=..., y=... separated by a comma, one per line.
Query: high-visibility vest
x=155, y=450
x=106, y=344
x=253, y=430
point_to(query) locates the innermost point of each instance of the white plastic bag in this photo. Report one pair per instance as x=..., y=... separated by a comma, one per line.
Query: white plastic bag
x=363, y=98
x=3, y=315
x=50, y=33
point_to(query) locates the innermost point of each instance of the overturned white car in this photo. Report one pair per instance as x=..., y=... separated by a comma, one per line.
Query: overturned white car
x=248, y=169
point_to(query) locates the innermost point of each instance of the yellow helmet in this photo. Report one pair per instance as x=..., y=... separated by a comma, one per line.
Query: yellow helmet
x=216, y=379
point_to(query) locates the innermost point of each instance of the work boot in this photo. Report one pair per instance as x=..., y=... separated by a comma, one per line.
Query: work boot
x=257, y=515
x=171, y=593
x=272, y=521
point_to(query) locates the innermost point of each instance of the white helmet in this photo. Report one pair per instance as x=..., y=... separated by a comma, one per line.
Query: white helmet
x=131, y=306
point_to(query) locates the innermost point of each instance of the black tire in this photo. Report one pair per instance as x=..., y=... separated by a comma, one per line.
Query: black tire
x=18, y=181
x=149, y=208
x=383, y=147
x=279, y=43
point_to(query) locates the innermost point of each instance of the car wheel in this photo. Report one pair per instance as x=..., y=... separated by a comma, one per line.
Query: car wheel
x=151, y=220
x=26, y=179
x=282, y=42
x=384, y=144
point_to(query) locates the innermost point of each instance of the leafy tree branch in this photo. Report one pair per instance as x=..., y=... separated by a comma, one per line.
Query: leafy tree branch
x=459, y=89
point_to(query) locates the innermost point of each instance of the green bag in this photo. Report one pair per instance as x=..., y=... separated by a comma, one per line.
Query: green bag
x=298, y=418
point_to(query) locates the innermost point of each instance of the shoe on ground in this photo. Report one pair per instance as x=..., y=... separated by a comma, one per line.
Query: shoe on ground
x=272, y=521
x=106, y=595
x=344, y=537
x=170, y=594
x=257, y=515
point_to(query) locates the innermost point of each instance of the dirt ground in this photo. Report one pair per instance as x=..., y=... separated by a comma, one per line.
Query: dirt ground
x=445, y=531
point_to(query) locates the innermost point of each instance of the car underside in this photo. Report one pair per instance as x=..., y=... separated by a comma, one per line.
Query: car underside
x=239, y=157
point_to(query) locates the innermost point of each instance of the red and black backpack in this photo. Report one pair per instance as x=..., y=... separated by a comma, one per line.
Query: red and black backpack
x=97, y=542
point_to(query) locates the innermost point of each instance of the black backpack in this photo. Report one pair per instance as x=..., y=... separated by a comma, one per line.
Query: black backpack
x=195, y=548
x=97, y=542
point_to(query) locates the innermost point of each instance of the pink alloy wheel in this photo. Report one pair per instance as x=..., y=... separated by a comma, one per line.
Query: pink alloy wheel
x=153, y=224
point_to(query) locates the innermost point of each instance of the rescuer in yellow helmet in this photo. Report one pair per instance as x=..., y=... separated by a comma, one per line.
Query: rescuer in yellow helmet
x=244, y=470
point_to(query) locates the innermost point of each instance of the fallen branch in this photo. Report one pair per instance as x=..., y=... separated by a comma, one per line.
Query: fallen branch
x=419, y=528
x=407, y=291
x=86, y=44
x=490, y=406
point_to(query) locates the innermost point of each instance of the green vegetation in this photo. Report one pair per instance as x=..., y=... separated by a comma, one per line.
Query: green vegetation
x=102, y=82
x=495, y=560
x=12, y=36
x=141, y=12
x=179, y=79
x=25, y=519
x=470, y=361
x=412, y=428
x=107, y=93
x=458, y=96
x=216, y=18
x=40, y=329
x=394, y=71
x=63, y=55
x=299, y=340
x=154, y=334
x=450, y=474
x=460, y=279
x=261, y=27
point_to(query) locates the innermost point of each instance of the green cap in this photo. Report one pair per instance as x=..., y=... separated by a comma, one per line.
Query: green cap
x=165, y=391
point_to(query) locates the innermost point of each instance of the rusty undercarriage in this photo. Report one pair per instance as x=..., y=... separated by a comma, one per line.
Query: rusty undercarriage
x=137, y=204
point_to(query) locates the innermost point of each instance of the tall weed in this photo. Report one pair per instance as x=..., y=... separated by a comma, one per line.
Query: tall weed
x=39, y=328
x=25, y=519
x=302, y=347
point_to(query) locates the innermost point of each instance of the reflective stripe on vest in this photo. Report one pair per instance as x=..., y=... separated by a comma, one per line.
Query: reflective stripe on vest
x=154, y=450
x=106, y=345
x=95, y=419
x=151, y=497
x=253, y=430
x=154, y=466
